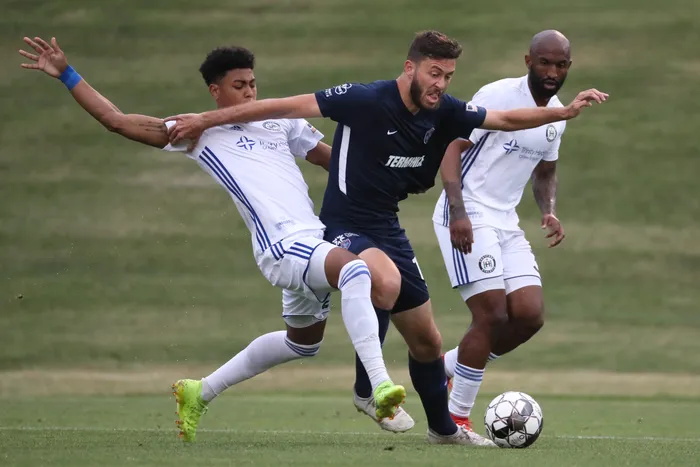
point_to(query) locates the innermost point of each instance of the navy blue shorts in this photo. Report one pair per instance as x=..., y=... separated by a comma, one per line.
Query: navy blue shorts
x=414, y=290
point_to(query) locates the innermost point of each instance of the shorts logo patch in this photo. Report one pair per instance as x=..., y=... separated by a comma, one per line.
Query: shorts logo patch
x=487, y=264
x=343, y=240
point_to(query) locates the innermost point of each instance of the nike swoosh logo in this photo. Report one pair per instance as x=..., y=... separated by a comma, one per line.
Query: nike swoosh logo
x=391, y=132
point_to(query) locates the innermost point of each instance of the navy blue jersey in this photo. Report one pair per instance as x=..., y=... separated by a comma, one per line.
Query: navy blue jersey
x=382, y=152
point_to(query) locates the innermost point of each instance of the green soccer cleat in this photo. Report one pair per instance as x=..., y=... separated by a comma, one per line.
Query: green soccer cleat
x=190, y=407
x=388, y=396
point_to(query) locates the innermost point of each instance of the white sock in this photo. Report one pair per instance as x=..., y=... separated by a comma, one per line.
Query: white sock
x=451, y=361
x=465, y=387
x=355, y=284
x=262, y=354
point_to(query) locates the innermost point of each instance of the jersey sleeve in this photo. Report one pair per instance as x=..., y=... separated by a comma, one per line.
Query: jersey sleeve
x=346, y=102
x=553, y=155
x=303, y=137
x=181, y=146
x=464, y=118
x=488, y=97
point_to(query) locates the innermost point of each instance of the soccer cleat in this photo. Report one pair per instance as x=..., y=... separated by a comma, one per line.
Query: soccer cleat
x=388, y=396
x=190, y=407
x=401, y=421
x=463, y=436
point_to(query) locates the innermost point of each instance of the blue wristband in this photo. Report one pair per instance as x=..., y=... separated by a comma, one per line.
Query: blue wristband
x=70, y=77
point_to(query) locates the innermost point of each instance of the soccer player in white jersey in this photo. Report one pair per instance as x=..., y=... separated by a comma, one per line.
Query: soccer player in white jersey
x=500, y=280
x=255, y=163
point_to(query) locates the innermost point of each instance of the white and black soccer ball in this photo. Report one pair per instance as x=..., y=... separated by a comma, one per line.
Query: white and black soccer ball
x=513, y=420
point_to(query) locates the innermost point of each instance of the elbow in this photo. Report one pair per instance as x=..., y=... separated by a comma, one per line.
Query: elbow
x=112, y=122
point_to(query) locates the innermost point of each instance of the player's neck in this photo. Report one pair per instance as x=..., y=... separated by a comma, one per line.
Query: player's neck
x=404, y=85
x=540, y=101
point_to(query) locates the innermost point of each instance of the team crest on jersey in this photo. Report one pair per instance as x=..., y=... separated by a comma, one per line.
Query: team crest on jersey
x=428, y=134
x=551, y=133
x=487, y=264
x=272, y=126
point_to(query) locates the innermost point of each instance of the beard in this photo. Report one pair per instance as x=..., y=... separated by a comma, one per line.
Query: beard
x=538, y=85
x=416, y=92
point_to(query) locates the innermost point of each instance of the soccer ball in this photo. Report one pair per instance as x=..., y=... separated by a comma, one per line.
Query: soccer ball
x=513, y=420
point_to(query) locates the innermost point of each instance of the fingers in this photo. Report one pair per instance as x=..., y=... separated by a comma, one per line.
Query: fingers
x=174, y=118
x=33, y=45
x=593, y=95
x=54, y=44
x=28, y=55
x=30, y=66
x=192, y=145
x=43, y=44
x=558, y=240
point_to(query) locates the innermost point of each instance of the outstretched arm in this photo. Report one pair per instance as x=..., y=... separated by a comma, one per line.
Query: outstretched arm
x=191, y=126
x=521, y=119
x=52, y=61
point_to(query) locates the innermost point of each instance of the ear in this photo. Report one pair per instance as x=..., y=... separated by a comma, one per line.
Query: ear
x=528, y=61
x=214, y=91
x=571, y=62
x=409, y=68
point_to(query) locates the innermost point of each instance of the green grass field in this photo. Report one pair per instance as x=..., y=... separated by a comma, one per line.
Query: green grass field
x=123, y=267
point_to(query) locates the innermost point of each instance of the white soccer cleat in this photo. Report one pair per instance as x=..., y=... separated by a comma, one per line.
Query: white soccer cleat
x=463, y=436
x=401, y=422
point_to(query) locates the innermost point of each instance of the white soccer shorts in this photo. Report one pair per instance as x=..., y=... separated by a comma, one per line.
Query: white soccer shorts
x=500, y=259
x=296, y=264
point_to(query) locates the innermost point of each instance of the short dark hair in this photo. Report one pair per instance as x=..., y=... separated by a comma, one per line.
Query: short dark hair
x=435, y=45
x=224, y=59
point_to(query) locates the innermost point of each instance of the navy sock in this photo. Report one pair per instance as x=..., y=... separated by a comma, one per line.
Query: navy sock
x=363, y=387
x=430, y=383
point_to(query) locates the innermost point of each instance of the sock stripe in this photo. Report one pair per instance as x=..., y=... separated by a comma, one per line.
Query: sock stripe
x=353, y=272
x=471, y=374
x=361, y=272
x=303, y=350
x=350, y=269
x=493, y=356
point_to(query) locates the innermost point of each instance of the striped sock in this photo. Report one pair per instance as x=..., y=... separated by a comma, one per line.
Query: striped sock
x=492, y=357
x=262, y=354
x=355, y=284
x=465, y=387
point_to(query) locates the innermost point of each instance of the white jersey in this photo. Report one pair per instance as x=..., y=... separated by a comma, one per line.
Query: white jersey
x=255, y=163
x=496, y=169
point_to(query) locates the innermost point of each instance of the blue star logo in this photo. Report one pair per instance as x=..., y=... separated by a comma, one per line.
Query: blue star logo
x=511, y=146
x=245, y=143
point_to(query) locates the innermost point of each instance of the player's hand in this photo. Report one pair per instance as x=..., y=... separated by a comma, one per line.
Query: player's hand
x=188, y=127
x=584, y=99
x=51, y=59
x=462, y=235
x=554, y=229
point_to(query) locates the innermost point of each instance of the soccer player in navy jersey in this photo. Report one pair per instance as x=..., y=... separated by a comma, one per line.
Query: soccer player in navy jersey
x=389, y=143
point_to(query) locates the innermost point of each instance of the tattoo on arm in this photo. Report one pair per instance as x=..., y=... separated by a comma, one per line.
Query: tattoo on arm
x=453, y=190
x=154, y=127
x=544, y=187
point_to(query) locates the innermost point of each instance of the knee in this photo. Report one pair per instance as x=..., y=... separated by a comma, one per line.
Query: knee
x=531, y=321
x=490, y=311
x=385, y=290
x=427, y=347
